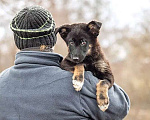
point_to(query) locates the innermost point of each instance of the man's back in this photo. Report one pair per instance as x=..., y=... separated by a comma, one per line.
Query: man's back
x=36, y=88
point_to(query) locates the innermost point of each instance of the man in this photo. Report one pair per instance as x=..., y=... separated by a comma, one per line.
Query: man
x=36, y=88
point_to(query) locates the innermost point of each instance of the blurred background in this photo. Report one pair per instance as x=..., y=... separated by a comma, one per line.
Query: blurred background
x=124, y=37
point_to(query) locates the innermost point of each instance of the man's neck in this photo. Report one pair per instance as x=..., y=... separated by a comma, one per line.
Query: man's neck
x=42, y=48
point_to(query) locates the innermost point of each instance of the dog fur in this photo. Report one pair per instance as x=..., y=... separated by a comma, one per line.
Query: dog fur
x=85, y=53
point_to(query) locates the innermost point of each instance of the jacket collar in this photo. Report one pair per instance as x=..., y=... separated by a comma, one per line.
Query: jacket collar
x=38, y=58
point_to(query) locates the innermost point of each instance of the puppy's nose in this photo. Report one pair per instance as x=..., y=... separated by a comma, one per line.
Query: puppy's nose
x=75, y=58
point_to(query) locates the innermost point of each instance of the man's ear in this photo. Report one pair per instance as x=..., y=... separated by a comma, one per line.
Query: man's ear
x=93, y=27
x=63, y=30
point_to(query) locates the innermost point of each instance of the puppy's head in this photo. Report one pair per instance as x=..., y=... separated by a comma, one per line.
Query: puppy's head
x=79, y=37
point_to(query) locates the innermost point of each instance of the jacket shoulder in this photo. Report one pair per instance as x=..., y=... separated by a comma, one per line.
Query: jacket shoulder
x=3, y=72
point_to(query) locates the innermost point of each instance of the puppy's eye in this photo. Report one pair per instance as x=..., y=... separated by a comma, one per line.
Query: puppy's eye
x=83, y=43
x=71, y=43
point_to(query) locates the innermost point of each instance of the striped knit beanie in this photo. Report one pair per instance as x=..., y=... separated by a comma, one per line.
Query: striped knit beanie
x=33, y=26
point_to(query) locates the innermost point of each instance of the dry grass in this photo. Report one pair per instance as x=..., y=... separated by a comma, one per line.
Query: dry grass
x=138, y=114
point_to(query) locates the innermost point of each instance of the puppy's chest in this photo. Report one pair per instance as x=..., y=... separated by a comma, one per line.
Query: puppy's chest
x=94, y=63
x=91, y=59
x=88, y=63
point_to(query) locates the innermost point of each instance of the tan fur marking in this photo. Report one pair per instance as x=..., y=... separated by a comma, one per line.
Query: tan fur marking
x=90, y=26
x=89, y=52
x=101, y=65
x=90, y=45
x=78, y=70
x=63, y=30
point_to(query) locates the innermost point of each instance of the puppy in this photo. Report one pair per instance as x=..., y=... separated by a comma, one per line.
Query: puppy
x=84, y=53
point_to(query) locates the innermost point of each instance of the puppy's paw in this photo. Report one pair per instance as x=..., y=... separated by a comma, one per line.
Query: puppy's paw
x=102, y=95
x=103, y=104
x=77, y=84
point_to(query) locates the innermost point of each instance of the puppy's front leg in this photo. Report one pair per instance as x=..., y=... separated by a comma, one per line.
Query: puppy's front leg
x=78, y=77
x=104, y=73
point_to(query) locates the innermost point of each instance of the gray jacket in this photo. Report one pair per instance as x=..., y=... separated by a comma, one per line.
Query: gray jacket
x=36, y=88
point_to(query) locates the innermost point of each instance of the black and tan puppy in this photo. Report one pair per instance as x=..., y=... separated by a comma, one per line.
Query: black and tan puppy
x=84, y=52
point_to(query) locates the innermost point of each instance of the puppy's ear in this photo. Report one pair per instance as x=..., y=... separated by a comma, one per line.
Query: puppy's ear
x=63, y=30
x=93, y=27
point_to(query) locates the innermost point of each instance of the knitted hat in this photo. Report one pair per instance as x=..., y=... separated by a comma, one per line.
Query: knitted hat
x=33, y=26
